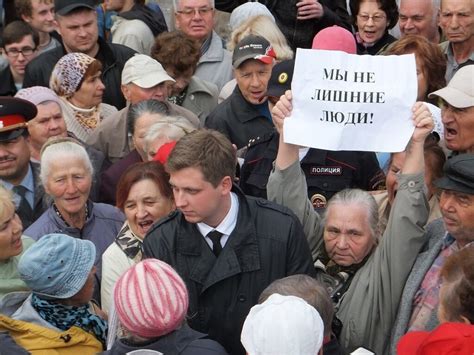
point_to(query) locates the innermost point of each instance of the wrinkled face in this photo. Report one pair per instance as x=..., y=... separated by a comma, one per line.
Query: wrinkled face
x=10, y=232
x=14, y=159
x=144, y=206
x=114, y=5
x=458, y=127
x=347, y=235
x=42, y=16
x=252, y=77
x=195, y=18
x=69, y=183
x=371, y=21
x=16, y=56
x=198, y=199
x=49, y=122
x=457, y=20
x=134, y=93
x=458, y=215
x=398, y=159
x=90, y=93
x=79, y=31
x=181, y=80
x=418, y=17
x=142, y=124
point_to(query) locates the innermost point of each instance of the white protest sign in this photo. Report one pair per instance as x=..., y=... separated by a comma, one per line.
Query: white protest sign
x=352, y=102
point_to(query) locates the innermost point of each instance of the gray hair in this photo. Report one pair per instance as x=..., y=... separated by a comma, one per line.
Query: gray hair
x=60, y=151
x=170, y=127
x=176, y=4
x=307, y=288
x=357, y=197
x=151, y=106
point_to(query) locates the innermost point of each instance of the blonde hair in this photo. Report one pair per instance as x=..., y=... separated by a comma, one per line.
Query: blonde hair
x=6, y=200
x=262, y=26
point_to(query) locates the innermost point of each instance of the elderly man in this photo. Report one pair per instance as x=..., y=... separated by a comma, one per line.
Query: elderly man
x=456, y=19
x=195, y=18
x=49, y=122
x=17, y=173
x=245, y=114
x=77, y=24
x=39, y=14
x=226, y=246
x=143, y=78
x=457, y=112
x=420, y=17
x=454, y=231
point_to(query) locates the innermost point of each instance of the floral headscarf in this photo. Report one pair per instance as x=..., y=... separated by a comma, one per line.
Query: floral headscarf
x=68, y=73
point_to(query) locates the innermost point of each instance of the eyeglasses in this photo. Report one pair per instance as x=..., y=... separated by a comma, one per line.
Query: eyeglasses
x=26, y=51
x=202, y=11
x=376, y=18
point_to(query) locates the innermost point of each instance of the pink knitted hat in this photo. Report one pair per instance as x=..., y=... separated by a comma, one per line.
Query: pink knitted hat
x=151, y=299
x=335, y=38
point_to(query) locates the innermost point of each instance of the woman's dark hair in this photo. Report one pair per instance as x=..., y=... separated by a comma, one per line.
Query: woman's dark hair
x=151, y=170
x=176, y=51
x=388, y=6
x=431, y=56
x=147, y=106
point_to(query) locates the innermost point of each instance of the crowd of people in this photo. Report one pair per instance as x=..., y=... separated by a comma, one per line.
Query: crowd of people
x=150, y=201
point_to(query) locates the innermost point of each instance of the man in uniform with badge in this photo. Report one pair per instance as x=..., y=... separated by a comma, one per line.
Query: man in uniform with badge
x=17, y=173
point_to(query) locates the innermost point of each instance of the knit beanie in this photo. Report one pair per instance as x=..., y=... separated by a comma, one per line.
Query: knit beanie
x=335, y=38
x=151, y=299
x=38, y=95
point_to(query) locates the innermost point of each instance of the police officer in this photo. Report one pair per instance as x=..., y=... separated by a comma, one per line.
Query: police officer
x=327, y=172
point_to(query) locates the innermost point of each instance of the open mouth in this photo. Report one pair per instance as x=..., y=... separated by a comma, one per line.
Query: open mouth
x=449, y=133
x=145, y=224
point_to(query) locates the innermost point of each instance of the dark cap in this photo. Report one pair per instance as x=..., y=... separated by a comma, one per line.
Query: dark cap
x=253, y=47
x=63, y=7
x=458, y=174
x=280, y=81
x=14, y=113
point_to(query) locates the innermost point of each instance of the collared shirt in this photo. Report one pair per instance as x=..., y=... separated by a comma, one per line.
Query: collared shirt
x=27, y=182
x=426, y=299
x=226, y=226
x=452, y=65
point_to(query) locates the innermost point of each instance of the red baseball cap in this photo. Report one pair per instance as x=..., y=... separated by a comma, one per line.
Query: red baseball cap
x=447, y=339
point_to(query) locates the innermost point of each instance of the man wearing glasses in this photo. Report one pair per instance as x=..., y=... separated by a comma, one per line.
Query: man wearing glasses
x=19, y=42
x=195, y=18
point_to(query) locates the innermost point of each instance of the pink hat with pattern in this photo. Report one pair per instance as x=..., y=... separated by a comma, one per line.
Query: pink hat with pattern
x=151, y=299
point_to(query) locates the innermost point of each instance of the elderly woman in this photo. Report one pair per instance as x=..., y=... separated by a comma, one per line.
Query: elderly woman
x=179, y=56
x=156, y=320
x=365, y=274
x=76, y=79
x=140, y=118
x=144, y=195
x=372, y=20
x=12, y=245
x=57, y=317
x=66, y=174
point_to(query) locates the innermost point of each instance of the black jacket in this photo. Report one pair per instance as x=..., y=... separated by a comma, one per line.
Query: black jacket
x=7, y=84
x=299, y=33
x=113, y=57
x=267, y=244
x=183, y=341
x=379, y=47
x=238, y=120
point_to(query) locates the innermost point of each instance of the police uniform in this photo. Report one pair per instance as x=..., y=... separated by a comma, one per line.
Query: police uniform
x=327, y=172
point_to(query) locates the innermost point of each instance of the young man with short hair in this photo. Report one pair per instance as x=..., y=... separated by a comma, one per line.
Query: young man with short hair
x=39, y=14
x=226, y=246
x=19, y=43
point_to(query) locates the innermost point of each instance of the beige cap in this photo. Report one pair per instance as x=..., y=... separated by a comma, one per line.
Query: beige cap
x=459, y=92
x=144, y=71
